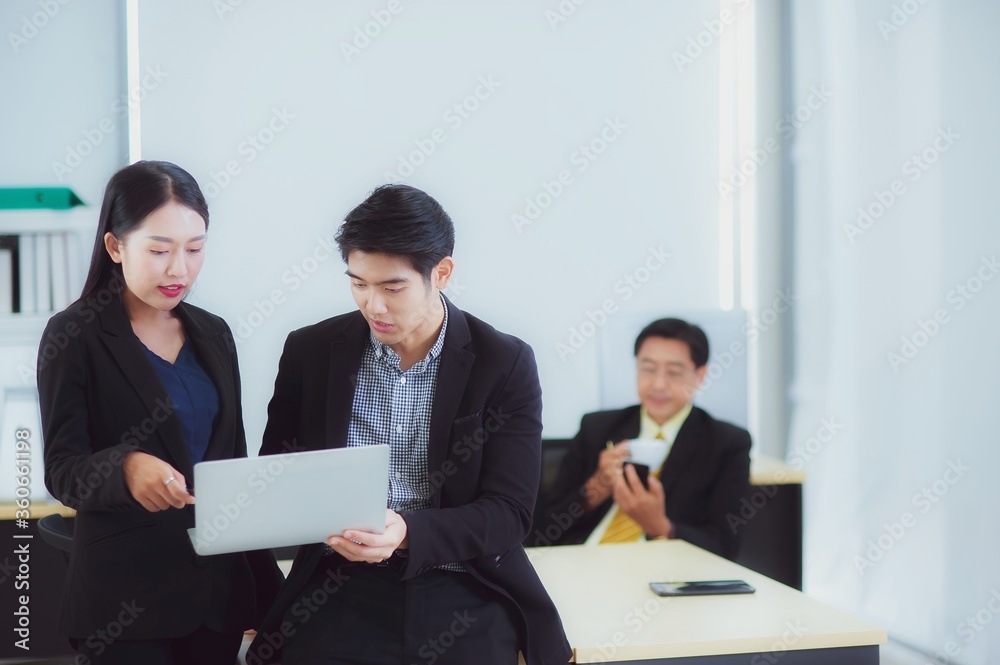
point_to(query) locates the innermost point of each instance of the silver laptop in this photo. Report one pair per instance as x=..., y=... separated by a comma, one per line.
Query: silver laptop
x=291, y=499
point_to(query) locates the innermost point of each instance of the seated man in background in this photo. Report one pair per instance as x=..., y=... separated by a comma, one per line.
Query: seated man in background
x=597, y=498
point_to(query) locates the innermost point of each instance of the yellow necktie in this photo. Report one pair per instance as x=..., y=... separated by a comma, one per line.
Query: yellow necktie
x=624, y=529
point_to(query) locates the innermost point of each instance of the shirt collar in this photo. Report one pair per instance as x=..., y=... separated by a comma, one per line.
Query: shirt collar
x=649, y=428
x=384, y=353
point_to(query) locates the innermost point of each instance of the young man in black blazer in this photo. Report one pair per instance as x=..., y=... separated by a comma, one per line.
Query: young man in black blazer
x=704, y=476
x=459, y=404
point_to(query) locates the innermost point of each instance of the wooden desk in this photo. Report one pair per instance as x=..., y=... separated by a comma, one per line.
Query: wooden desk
x=610, y=615
x=38, y=509
x=772, y=471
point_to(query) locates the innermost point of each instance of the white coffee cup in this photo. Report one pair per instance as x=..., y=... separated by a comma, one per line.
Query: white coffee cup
x=650, y=452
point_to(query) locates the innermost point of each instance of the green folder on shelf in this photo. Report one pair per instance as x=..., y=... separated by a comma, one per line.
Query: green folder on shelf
x=24, y=198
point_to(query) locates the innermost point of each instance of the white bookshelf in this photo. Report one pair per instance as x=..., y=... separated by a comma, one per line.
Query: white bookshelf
x=81, y=219
x=20, y=332
x=52, y=274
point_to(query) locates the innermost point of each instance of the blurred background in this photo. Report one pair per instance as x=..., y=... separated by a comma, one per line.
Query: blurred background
x=809, y=180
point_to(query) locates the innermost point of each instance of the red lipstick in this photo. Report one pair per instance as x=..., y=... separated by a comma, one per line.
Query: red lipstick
x=171, y=290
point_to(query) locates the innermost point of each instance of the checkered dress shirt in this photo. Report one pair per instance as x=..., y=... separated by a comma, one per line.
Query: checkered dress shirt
x=394, y=407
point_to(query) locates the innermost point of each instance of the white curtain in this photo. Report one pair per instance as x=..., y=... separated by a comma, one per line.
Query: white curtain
x=896, y=243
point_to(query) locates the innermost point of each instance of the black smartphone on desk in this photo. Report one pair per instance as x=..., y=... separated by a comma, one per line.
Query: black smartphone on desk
x=702, y=588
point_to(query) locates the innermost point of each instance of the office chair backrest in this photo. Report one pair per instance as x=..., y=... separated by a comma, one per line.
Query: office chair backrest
x=53, y=530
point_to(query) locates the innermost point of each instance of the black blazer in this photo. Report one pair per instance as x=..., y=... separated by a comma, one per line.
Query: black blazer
x=704, y=477
x=483, y=460
x=100, y=398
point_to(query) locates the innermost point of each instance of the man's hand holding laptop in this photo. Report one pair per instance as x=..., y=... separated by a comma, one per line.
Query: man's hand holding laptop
x=372, y=547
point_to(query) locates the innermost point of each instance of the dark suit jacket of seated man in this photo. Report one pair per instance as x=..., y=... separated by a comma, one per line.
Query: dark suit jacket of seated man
x=702, y=480
x=461, y=412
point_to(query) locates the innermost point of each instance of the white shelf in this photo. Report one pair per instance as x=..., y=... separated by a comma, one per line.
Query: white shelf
x=71, y=232
x=21, y=329
x=20, y=335
x=81, y=220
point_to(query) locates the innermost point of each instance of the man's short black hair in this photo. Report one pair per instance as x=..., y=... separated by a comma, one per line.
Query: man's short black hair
x=682, y=331
x=399, y=220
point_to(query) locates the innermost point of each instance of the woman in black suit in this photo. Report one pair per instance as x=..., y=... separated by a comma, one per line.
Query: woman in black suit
x=135, y=387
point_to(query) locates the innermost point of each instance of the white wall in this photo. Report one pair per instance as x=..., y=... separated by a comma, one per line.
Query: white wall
x=654, y=186
x=900, y=499
x=64, y=111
